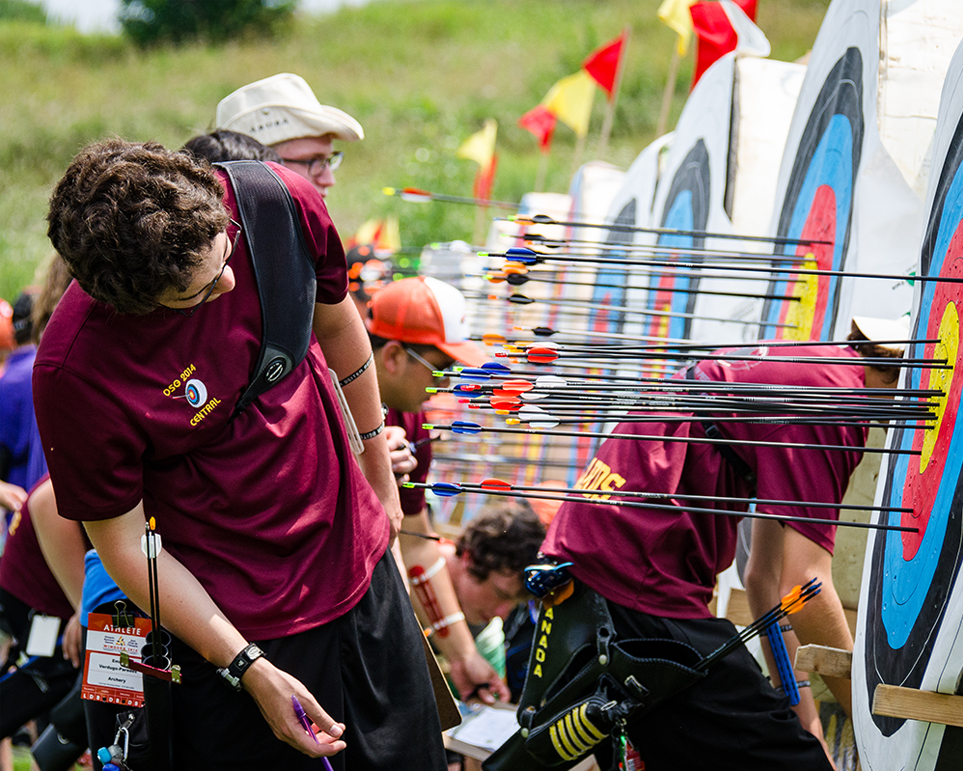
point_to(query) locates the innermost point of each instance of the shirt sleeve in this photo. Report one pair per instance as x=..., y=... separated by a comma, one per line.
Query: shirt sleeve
x=101, y=465
x=808, y=475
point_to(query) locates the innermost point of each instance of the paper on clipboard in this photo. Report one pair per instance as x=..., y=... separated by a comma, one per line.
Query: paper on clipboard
x=487, y=728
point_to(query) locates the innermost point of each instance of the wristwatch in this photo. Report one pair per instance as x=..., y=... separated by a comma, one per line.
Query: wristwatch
x=234, y=671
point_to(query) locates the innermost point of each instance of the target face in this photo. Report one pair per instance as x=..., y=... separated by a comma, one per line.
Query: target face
x=686, y=209
x=196, y=392
x=913, y=575
x=610, y=288
x=818, y=205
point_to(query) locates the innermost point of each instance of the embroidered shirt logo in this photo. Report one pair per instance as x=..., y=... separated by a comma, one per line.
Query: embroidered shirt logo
x=194, y=393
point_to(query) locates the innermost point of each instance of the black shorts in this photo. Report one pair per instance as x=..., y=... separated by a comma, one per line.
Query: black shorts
x=731, y=720
x=32, y=689
x=366, y=669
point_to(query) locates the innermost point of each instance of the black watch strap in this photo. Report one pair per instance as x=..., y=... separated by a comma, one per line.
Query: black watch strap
x=234, y=671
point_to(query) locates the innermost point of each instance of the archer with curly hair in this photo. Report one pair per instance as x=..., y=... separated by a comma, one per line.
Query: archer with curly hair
x=275, y=533
x=135, y=221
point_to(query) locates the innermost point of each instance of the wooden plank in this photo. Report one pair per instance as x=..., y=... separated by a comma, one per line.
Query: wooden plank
x=448, y=712
x=737, y=611
x=911, y=704
x=831, y=662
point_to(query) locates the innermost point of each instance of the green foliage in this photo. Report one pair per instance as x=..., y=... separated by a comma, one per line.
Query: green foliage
x=420, y=75
x=21, y=10
x=150, y=22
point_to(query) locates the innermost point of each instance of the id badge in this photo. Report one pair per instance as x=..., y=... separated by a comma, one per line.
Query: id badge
x=42, y=640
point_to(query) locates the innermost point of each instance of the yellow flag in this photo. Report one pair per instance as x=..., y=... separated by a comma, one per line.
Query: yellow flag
x=570, y=100
x=675, y=14
x=385, y=234
x=480, y=147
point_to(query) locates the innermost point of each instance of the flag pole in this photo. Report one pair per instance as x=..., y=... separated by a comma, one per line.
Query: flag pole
x=542, y=172
x=579, y=152
x=610, y=108
x=669, y=92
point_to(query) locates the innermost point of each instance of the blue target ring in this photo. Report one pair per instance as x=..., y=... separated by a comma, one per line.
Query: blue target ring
x=828, y=156
x=907, y=597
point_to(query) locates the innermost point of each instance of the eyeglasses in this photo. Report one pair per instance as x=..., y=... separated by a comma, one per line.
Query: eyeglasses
x=431, y=367
x=209, y=289
x=316, y=166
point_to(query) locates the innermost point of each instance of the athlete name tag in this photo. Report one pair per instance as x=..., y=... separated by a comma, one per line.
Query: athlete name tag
x=104, y=677
x=42, y=640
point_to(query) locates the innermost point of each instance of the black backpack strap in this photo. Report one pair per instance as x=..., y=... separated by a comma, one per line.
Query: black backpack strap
x=283, y=268
x=737, y=464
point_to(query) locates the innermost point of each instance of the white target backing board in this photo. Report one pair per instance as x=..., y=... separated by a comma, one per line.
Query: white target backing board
x=910, y=624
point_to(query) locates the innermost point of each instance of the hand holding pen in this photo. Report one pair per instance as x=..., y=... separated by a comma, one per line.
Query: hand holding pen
x=308, y=726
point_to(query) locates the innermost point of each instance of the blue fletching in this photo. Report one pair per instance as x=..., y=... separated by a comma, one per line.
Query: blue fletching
x=496, y=366
x=446, y=489
x=475, y=373
x=524, y=256
x=465, y=427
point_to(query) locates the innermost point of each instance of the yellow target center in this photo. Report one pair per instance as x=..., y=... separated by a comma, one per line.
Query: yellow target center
x=941, y=379
x=802, y=312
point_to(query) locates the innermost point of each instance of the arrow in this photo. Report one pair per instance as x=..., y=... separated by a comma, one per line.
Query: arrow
x=544, y=219
x=468, y=427
x=416, y=195
x=450, y=489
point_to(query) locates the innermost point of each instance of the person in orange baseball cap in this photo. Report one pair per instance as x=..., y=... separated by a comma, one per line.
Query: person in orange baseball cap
x=418, y=326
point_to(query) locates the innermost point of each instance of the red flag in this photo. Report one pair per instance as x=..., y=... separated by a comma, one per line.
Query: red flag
x=603, y=64
x=485, y=179
x=540, y=121
x=715, y=33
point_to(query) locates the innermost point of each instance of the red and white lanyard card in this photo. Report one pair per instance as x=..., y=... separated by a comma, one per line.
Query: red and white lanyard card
x=104, y=677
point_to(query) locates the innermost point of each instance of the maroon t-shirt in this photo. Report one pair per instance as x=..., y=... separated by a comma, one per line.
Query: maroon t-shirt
x=269, y=511
x=664, y=561
x=23, y=569
x=413, y=499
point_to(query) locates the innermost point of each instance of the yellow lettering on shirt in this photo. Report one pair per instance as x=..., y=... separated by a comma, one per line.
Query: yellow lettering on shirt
x=204, y=411
x=178, y=381
x=599, y=476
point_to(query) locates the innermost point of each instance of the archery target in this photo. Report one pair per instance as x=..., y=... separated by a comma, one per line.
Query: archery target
x=911, y=605
x=818, y=205
x=690, y=198
x=816, y=193
x=686, y=209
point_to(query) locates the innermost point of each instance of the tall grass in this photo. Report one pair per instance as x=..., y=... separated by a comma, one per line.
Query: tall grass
x=420, y=75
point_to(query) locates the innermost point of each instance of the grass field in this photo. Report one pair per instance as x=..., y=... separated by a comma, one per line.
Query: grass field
x=421, y=76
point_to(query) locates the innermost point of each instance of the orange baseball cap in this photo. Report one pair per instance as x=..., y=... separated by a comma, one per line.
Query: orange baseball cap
x=427, y=311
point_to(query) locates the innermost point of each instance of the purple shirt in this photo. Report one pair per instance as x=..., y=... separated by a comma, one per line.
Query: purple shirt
x=17, y=425
x=269, y=511
x=664, y=561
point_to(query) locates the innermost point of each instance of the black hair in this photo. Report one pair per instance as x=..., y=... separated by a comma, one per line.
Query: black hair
x=224, y=145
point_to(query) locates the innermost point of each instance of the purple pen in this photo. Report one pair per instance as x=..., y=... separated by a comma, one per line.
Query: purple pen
x=306, y=722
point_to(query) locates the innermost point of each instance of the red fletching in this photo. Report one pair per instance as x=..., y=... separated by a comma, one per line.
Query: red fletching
x=495, y=484
x=542, y=355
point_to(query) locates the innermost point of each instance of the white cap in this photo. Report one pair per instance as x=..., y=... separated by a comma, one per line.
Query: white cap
x=281, y=108
x=874, y=329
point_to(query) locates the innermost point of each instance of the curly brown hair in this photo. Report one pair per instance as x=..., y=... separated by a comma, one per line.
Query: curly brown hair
x=134, y=220
x=504, y=536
